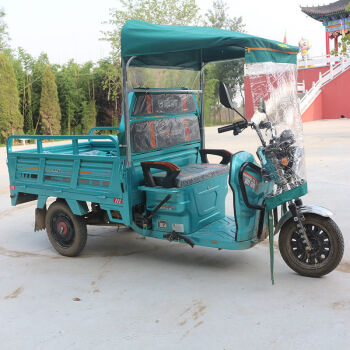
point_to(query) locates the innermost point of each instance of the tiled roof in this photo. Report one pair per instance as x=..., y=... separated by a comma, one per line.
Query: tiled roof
x=333, y=8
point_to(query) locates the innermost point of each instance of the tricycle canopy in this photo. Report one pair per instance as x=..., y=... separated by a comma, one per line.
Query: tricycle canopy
x=191, y=47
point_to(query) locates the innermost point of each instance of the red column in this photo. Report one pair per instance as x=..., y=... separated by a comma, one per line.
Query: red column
x=327, y=46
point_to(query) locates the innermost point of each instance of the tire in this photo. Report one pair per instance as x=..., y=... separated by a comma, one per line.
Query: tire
x=67, y=232
x=327, y=242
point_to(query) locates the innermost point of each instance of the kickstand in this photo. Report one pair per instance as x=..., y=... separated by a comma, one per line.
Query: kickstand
x=271, y=236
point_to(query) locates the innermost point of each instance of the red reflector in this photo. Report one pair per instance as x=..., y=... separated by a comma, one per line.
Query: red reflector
x=118, y=200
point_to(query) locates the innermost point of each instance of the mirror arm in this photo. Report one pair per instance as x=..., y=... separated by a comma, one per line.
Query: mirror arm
x=256, y=128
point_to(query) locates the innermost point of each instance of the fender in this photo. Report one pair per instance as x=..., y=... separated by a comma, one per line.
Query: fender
x=306, y=209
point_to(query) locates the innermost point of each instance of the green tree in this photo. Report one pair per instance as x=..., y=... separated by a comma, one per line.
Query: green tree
x=37, y=70
x=4, y=36
x=11, y=120
x=49, y=106
x=22, y=63
x=230, y=72
x=181, y=12
x=217, y=17
x=88, y=119
x=108, y=109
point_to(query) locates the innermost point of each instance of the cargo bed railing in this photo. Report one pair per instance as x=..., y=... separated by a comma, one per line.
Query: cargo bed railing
x=102, y=128
x=74, y=138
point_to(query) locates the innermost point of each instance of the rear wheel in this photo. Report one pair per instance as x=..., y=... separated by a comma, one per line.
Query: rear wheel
x=327, y=246
x=66, y=231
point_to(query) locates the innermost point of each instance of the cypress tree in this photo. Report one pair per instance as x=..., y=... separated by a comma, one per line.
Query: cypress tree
x=11, y=120
x=27, y=107
x=50, y=111
x=88, y=119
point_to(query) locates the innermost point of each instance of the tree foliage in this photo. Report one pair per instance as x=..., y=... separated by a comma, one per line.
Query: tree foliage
x=4, y=36
x=88, y=119
x=11, y=120
x=231, y=72
x=50, y=111
x=181, y=12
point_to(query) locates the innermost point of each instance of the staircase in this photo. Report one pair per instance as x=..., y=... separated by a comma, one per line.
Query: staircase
x=335, y=70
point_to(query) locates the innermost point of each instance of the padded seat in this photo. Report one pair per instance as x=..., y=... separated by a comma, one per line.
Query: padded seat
x=193, y=173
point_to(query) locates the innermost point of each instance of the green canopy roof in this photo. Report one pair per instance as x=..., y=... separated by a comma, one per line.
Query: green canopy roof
x=190, y=47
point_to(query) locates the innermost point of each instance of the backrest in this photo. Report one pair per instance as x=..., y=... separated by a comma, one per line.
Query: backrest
x=163, y=127
x=163, y=132
x=163, y=120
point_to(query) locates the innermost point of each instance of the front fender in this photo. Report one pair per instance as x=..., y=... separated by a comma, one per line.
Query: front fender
x=306, y=209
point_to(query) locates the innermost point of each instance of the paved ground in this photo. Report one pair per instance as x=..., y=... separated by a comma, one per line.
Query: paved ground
x=149, y=294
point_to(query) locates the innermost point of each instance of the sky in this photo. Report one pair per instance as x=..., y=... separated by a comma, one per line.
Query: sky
x=67, y=29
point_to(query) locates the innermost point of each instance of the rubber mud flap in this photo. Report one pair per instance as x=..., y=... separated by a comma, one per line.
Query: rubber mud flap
x=40, y=215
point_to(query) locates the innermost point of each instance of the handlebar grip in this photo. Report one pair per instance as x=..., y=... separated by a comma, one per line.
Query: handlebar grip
x=225, y=128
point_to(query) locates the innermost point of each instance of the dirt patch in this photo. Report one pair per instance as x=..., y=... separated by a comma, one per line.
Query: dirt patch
x=198, y=324
x=341, y=305
x=344, y=267
x=14, y=210
x=15, y=293
x=19, y=254
x=191, y=316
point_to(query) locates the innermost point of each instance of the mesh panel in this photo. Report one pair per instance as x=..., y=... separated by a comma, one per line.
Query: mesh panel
x=163, y=132
x=150, y=104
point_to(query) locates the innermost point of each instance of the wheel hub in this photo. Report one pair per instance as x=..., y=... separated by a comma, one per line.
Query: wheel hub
x=62, y=229
x=319, y=241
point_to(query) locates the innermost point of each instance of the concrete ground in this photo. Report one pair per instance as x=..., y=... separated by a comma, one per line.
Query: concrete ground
x=124, y=292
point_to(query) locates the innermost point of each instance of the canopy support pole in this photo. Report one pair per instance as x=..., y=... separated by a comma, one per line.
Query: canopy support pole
x=125, y=66
x=202, y=122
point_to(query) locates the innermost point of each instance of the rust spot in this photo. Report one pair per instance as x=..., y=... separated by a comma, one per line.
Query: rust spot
x=214, y=242
x=15, y=293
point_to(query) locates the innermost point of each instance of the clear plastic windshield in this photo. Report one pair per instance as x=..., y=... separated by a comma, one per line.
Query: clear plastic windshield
x=159, y=78
x=276, y=84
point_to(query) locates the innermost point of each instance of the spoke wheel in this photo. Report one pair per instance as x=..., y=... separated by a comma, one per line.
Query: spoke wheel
x=320, y=243
x=66, y=231
x=327, y=246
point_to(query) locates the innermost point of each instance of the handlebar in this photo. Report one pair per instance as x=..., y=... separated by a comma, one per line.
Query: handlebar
x=225, y=128
x=236, y=127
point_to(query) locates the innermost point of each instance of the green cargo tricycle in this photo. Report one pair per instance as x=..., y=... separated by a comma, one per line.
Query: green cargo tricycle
x=152, y=173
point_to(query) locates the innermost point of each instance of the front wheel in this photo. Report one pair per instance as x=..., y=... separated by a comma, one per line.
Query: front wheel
x=327, y=246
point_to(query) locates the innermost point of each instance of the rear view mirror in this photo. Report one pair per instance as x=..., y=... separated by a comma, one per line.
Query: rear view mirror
x=225, y=98
x=262, y=106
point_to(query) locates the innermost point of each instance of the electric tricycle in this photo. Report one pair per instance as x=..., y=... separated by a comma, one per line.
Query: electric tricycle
x=152, y=173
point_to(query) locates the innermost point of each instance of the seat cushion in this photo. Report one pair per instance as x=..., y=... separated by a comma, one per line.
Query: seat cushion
x=193, y=173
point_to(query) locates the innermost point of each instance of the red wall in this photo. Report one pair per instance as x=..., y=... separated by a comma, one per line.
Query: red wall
x=333, y=101
x=336, y=97
x=314, y=112
x=310, y=75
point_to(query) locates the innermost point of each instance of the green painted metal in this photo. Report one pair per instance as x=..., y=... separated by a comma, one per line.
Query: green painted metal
x=191, y=47
x=271, y=237
x=274, y=202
